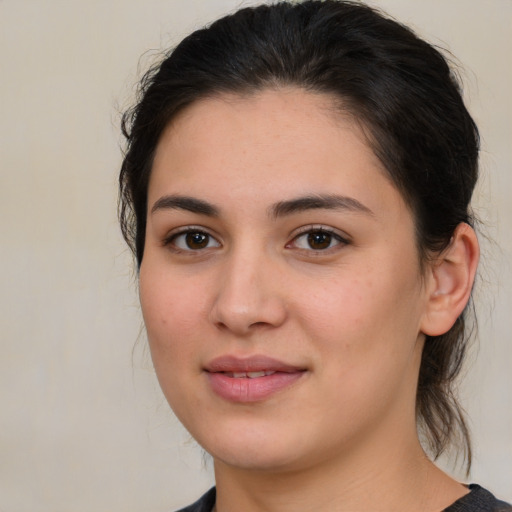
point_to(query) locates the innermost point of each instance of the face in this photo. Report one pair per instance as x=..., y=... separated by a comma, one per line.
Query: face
x=280, y=283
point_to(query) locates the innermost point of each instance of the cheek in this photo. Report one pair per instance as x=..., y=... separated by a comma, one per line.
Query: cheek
x=339, y=307
x=169, y=304
x=365, y=331
x=171, y=316
x=171, y=327
x=363, y=321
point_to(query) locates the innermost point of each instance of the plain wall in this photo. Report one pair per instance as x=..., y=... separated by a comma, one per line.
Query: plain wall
x=83, y=425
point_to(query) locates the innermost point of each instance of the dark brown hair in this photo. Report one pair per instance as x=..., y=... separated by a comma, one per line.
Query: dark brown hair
x=400, y=89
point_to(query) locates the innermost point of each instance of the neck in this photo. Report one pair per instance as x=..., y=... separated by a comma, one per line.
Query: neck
x=395, y=478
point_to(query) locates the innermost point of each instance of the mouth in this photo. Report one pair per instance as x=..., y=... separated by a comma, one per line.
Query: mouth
x=252, y=379
x=248, y=375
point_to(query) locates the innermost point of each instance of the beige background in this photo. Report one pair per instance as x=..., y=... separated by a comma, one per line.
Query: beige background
x=83, y=426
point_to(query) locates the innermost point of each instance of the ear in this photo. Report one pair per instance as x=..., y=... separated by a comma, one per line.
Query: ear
x=450, y=281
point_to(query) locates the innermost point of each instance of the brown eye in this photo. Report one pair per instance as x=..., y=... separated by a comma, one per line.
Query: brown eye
x=319, y=240
x=196, y=240
x=192, y=241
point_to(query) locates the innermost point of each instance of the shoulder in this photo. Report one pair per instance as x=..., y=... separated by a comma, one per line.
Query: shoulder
x=203, y=504
x=479, y=500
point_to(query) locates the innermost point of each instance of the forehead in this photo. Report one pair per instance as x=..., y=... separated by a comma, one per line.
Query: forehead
x=266, y=145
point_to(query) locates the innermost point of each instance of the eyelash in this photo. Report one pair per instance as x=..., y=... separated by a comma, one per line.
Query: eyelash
x=307, y=231
x=170, y=241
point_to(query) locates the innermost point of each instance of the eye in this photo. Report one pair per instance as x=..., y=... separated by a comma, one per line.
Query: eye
x=317, y=240
x=191, y=240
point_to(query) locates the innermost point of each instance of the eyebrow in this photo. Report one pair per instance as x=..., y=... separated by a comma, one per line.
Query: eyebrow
x=190, y=204
x=319, y=202
x=280, y=209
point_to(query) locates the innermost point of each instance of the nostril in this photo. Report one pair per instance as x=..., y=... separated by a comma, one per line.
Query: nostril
x=250, y=327
x=258, y=324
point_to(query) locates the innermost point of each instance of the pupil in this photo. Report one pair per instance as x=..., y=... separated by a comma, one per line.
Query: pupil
x=197, y=240
x=319, y=240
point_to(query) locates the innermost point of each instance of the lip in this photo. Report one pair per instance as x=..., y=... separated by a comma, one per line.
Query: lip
x=224, y=377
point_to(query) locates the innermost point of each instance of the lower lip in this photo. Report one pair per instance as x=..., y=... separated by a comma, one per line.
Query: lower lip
x=251, y=390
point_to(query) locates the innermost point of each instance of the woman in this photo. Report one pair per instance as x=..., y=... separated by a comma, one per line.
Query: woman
x=296, y=191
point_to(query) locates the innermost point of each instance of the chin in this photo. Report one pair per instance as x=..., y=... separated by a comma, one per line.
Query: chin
x=256, y=458
x=253, y=450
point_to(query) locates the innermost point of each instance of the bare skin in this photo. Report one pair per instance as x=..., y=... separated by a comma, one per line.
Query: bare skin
x=274, y=234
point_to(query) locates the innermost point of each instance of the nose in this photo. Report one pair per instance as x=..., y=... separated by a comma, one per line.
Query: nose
x=249, y=296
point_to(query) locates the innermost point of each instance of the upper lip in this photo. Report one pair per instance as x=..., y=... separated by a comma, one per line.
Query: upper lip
x=255, y=363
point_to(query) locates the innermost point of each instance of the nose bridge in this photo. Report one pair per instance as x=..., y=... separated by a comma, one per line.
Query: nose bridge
x=247, y=293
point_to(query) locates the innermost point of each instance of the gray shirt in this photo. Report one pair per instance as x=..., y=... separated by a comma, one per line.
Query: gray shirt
x=478, y=500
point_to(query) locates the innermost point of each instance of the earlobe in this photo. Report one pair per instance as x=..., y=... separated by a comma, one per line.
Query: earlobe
x=451, y=279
